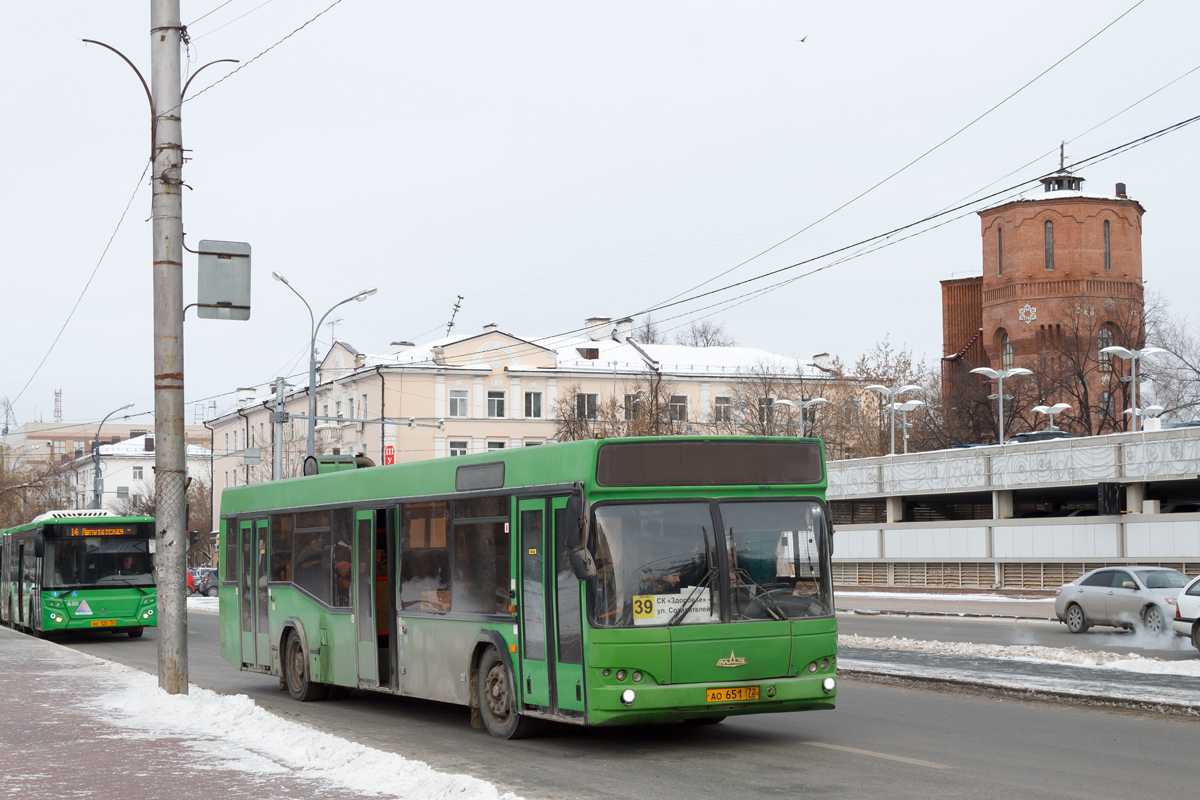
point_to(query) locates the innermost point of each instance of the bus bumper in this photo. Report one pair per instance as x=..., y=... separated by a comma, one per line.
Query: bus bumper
x=664, y=703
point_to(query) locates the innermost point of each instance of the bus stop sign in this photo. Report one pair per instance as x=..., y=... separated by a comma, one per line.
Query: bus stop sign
x=224, y=275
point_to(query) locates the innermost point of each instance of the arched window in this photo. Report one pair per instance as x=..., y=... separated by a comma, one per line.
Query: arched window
x=1006, y=351
x=1105, y=339
x=1000, y=248
x=1106, y=407
x=1049, y=244
x=1107, y=248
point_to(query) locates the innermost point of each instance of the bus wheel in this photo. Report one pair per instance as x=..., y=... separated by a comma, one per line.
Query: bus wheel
x=296, y=670
x=136, y=633
x=497, y=698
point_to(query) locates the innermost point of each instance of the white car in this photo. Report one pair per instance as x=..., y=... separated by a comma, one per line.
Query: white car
x=1124, y=597
x=1187, y=612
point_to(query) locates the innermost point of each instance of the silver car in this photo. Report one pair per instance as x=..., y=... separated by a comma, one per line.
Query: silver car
x=1123, y=597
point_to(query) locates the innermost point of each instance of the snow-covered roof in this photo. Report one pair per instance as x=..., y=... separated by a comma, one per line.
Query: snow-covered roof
x=135, y=447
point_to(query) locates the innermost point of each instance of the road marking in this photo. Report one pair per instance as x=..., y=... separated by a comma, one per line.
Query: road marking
x=918, y=762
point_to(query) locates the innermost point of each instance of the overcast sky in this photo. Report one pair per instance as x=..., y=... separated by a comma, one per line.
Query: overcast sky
x=555, y=161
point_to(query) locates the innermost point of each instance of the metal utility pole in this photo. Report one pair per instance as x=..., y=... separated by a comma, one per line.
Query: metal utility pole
x=170, y=443
x=277, y=419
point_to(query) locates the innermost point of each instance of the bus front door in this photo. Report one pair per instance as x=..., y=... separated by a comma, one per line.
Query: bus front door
x=253, y=594
x=262, y=624
x=568, y=618
x=364, y=598
x=535, y=664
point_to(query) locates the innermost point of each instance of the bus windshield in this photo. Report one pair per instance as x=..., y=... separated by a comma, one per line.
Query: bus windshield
x=98, y=562
x=658, y=563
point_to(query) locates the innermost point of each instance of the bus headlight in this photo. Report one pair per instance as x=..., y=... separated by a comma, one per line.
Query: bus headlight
x=828, y=685
x=628, y=696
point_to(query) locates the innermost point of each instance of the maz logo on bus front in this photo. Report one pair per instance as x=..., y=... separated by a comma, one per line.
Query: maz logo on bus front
x=732, y=661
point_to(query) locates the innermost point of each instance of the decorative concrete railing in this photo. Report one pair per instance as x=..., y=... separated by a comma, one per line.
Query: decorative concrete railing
x=1120, y=457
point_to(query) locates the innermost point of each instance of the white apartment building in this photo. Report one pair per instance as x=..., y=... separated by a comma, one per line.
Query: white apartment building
x=491, y=390
x=127, y=472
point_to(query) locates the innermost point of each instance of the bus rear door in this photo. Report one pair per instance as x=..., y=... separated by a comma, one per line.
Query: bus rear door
x=364, y=598
x=253, y=577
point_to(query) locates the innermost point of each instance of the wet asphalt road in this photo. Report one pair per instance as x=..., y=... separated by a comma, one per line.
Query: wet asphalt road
x=882, y=741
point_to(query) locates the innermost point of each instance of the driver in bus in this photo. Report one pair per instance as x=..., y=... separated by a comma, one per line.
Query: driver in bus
x=127, y=567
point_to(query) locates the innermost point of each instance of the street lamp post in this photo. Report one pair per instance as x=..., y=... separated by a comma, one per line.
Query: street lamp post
x=892, y=392
x=1050, y=411
x=1133, y=357
x=312, y=354
x=904, y=408
x=96, y=457
x=801, y=406
x=999, y=377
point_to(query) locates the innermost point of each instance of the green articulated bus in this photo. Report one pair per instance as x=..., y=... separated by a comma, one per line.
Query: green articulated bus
x=599, y=582
x=68, y=570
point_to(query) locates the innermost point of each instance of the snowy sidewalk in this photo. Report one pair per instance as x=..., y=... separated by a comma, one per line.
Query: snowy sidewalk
x=979, y=603
x=72, y=725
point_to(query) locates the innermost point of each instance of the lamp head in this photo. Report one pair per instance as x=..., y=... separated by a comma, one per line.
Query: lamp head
x=784, y=402
x=877, y=387
x=911, y=405
x=1151, y=351
x=363, y=295
x=1017, y=371
x=1123, y=352
x=987, y=372
x=280, y=278
x=122, y=408
x=816, y=401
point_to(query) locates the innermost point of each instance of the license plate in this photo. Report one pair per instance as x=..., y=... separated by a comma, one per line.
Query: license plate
x=733, y=694
x=109, y=623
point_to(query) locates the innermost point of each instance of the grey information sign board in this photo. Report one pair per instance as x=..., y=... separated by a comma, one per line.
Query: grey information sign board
x=224, y=274
x=252, y=456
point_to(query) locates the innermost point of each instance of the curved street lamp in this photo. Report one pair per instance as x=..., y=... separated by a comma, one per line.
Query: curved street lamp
x=1133, y=357
x=999, y=377
x=904, y=408
x=96, y=457
x=312, y=354
x=801, y=406
x=1050, y=411
x=892, y=392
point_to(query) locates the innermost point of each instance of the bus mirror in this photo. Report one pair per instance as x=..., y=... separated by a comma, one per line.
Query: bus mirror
x=39, y=547
x=573, y=536
x=582, y=563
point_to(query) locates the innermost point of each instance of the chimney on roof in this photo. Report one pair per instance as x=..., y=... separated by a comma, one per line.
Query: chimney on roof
x=149, y=444
x=1121, y=191
x=623, y=329
x=360, y=360
x=396, y=348
x=822, y=361
x=245, y=396
x=491, y=327
x=597, y=327
x=439, y=356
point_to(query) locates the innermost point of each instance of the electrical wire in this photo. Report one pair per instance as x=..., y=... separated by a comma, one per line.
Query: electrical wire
x=210, y=13
x=235, y=19
x=948, y=139
x=263, y=53
x=79, y=299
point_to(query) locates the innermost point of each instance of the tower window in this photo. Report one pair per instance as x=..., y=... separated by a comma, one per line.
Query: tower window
x=1049, y=245
x=1107, y=248
x=1006, y=351
x=1000, y=248
x=1105, y=339
x=1106, y=406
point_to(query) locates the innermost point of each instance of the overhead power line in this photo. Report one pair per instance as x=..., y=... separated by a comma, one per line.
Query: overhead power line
x=937, y=146
x=95, y=269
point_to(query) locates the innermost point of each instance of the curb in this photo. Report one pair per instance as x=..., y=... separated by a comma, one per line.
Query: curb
x=864, y=612
x=1161, y=706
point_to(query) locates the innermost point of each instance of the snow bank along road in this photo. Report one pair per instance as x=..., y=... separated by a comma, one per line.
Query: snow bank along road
x=72, y=725
x=882, y=741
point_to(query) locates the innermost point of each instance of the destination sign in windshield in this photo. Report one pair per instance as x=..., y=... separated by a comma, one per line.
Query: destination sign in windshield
x=88, y=530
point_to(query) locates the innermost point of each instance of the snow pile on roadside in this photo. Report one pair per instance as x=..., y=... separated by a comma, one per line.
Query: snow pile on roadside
x=970, y=598
x=1129, y=662
x=206, y=605
x=237, y=723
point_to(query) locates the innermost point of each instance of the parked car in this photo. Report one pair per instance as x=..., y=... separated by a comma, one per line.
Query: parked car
x=206, y=581
x=1187, y=612
x=1040, y=436
x=1123, y=597
x=191, y=582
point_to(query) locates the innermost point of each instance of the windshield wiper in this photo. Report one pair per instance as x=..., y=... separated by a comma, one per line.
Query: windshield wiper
x=122, y=580
x=682, y=611
x=774, y=610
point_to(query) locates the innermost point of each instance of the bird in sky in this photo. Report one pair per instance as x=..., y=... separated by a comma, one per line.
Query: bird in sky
x=803, y=40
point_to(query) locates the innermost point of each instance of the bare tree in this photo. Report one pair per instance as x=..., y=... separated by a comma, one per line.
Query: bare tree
x=648, y=332
x=705, y=333
x=29, y=491
x=1175, y=374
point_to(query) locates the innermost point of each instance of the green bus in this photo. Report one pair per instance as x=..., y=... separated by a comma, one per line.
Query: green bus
x=597, y=582
x=82, y=569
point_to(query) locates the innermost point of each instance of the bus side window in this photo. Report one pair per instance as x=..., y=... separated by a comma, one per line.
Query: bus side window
x=424, y=557
x=281, y=547
x=313, y=563
x=342, y=559
x=231, y=551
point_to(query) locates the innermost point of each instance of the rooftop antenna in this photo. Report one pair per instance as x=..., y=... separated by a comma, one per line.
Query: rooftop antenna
x=453, y=314
x=332, y=325
x=1062, y=156
x=58, y=405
